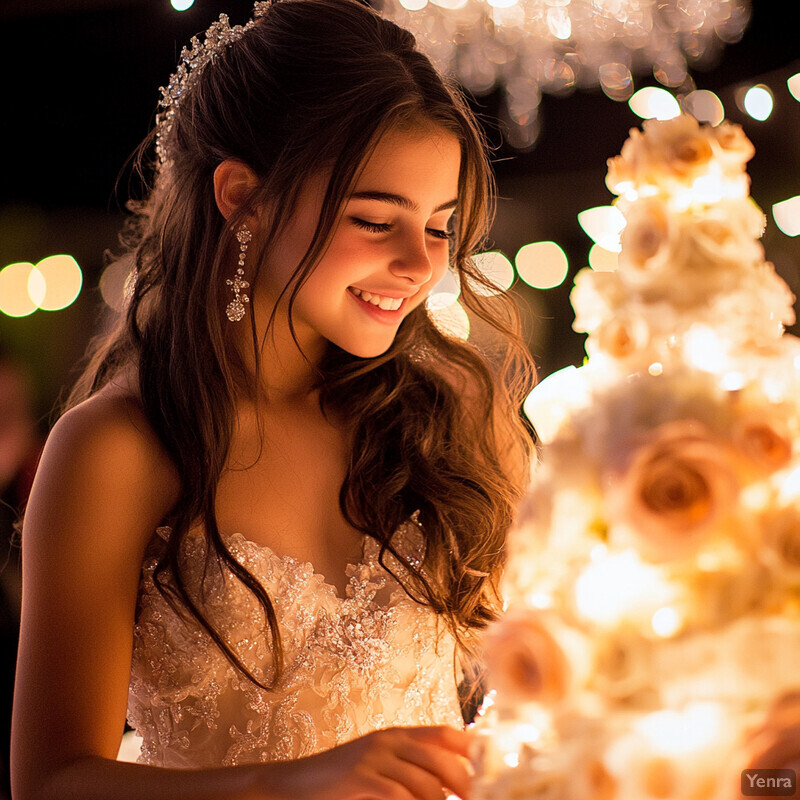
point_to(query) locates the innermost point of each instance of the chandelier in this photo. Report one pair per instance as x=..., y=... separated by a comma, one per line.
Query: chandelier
x=555, y=46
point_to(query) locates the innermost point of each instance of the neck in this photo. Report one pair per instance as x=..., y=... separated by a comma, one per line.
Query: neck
x=288, y=368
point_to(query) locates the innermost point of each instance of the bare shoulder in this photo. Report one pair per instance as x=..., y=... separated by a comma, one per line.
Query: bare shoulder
x=111, y=430
x=104, y=454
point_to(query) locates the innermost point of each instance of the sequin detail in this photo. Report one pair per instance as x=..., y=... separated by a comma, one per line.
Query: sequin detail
x=353, y=664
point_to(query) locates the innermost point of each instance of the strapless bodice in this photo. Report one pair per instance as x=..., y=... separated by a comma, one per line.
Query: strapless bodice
x=354, y=664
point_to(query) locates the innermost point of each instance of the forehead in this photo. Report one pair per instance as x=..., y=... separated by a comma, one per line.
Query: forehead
x=423, y=163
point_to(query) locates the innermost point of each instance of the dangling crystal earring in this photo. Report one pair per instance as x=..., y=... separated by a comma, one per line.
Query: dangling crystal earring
x=235, y=309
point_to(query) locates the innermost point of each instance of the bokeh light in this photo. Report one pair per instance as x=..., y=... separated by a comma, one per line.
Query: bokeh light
x=704, y=106
x=542, y=265
x=793, y=84
x=654, y=103
x=604, y=226
x=449, y=316
x=181, y=5
x=787, y=216
x=616, y=80
x=602, y=260
x=449, y=284
x=15, y=299
x=497, y=269
x=63, y=280
x=758, y=102
x=113, y=281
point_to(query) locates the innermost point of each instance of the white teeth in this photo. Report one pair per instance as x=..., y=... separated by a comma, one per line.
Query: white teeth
x=386, y=303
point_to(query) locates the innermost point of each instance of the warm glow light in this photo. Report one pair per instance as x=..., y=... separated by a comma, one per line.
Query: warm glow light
x=542, y=265
x=603, y=225
x=678, y=733
x=450, y=319
x=666, y=622
x=602, y=260
x=789, y=489
x=497, y=269
x=619, y=586
x=540, y=600
x=758, y=102
x=787, y=215
x=15, y=299
x=794, y=86
x=511, y=759
x=733, y=381
x=552, y=400
x=527, y=732
x=524, y=48
x=63, y=279
x=654, y=103
x=704, y=106
x=181, y=5
x=704, y=348
x=656, y=369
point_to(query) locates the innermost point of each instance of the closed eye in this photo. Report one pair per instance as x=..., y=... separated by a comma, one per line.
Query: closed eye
x=386, y=227
x=372, y=227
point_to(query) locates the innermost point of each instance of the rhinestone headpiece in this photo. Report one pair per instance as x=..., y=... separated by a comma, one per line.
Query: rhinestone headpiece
x=194, y=59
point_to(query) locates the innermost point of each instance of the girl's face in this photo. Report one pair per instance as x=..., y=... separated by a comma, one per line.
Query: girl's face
x=389, y=248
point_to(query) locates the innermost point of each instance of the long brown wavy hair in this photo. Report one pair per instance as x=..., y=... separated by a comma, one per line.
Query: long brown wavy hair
x=312, y=86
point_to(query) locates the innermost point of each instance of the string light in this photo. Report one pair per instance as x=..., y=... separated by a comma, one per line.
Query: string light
x=530, y=47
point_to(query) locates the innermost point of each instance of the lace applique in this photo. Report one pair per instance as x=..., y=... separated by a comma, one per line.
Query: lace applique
x=353, y=664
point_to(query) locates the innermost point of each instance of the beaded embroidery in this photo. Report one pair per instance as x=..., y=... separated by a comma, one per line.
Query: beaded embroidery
x=353, y=664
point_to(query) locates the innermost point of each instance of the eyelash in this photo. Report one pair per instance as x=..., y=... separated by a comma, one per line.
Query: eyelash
x=385, y=227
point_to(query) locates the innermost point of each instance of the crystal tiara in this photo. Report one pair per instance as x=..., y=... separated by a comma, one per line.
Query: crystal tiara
x=193, y=60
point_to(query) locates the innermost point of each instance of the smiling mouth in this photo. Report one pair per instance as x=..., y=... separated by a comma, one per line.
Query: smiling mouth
x=385, y=303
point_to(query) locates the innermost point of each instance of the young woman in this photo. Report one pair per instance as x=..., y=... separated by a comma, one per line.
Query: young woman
x=272, y=521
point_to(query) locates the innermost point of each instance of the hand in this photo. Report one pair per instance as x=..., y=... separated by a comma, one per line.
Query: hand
x=424, y=763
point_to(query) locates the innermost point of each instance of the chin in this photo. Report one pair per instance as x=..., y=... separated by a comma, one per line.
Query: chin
x=365, y=349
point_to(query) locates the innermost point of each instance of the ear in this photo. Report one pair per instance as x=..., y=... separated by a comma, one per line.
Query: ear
x=233, y=183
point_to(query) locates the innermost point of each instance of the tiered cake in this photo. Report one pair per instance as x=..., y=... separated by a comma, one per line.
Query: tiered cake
x=651, y=643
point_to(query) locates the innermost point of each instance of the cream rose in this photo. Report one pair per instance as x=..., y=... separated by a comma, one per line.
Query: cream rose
x=670, y=153
x=780, y=531
x=596, y=296
x=733, y=146
x=524, y=660
x=682, y=143
x=676, y=490
x=763, y=444
x=645, y=235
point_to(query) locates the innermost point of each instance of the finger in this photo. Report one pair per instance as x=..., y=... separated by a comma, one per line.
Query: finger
x=420, y=782
x=459, y=741
x=449, y=769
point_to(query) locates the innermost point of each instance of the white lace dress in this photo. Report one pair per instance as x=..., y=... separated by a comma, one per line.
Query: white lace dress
x=369, y=660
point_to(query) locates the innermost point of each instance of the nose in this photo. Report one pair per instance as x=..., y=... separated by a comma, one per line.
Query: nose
x=412, y=261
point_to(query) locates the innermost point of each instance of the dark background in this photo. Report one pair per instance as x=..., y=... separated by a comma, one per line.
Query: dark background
x=80, y=84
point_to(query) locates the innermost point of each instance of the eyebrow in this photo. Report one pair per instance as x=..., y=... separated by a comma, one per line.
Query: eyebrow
x=399, y=200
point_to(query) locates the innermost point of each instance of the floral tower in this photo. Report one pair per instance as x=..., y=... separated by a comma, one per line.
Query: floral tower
x=651, y=643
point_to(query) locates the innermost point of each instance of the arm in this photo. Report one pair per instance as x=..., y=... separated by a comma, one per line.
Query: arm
x=102, y=487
